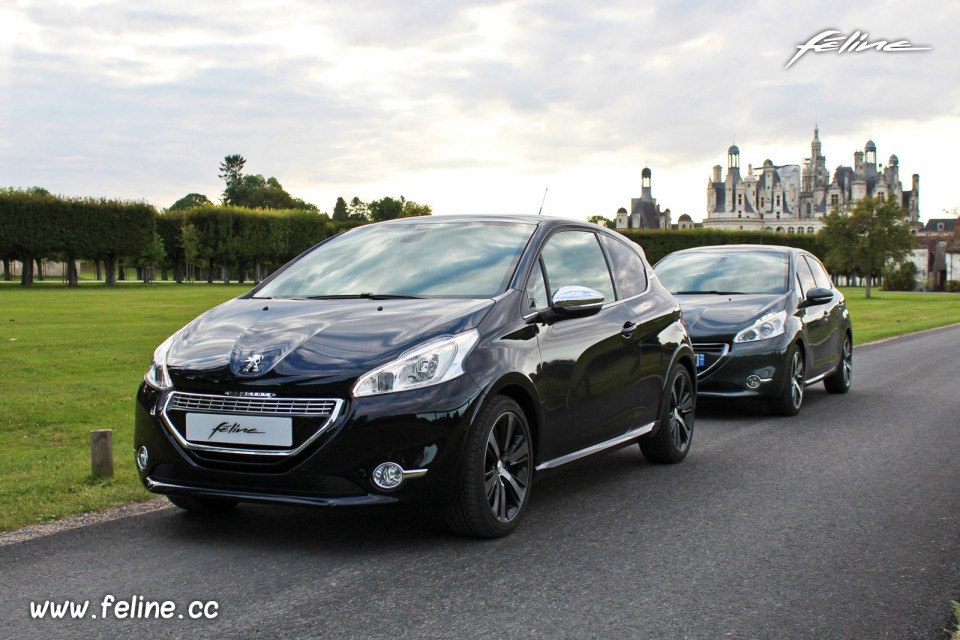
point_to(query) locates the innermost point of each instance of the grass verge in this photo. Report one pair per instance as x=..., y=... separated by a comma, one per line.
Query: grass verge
x=889, y=313
x=71, y=361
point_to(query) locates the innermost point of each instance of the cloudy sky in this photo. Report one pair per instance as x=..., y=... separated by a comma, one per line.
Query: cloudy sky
x=466, y=106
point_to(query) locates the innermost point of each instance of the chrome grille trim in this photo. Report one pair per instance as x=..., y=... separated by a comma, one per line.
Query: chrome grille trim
x=205, y=403
x=328, y=409
x=718, y=349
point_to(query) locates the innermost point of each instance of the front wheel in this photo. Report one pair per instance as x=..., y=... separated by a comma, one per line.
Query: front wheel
x=789, y=401
x=498, y=472
x=839, y=381
x=671, y=441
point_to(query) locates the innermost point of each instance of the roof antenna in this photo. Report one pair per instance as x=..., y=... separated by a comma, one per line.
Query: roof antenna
x=540, y=213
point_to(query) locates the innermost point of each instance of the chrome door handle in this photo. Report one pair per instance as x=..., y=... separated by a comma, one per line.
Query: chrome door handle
x=628, y=329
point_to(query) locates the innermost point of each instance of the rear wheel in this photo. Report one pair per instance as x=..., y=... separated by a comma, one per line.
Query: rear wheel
x=839, y=381
x=789, y=401
x=202, y=505
x=498, y=472
x=671, y=441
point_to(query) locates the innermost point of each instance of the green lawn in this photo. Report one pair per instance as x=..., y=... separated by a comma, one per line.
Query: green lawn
x=886, y=313
x=71, y=361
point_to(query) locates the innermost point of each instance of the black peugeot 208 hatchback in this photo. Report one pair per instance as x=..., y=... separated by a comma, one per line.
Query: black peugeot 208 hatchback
x=437, y=360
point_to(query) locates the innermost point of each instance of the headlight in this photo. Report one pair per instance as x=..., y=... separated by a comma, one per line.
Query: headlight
x=157, y=375
x=769, y=326
x=431, y=363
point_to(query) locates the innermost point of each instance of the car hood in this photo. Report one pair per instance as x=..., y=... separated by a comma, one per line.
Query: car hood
x=718, y=317
x=265, y=342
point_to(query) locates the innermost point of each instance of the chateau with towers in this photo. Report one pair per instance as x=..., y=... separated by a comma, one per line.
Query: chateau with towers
x=788, y=199
x=644, y=212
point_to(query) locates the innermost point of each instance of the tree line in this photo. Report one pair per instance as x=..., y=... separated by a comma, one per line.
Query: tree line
x=221, y=242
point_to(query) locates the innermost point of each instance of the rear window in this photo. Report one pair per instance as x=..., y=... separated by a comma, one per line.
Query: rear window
x=628, y=269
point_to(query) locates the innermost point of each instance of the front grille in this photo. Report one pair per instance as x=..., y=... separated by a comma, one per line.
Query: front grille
x=252, y=406
x=310, y=418
x=709, y=355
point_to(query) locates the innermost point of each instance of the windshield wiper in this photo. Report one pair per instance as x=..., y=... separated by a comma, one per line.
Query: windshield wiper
x=719, y=293
x=364, y=296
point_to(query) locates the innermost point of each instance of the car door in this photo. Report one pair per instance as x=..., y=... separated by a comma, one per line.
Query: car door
x=589, y=364
x=833, y=314
x=816, y=323
x=651, y=316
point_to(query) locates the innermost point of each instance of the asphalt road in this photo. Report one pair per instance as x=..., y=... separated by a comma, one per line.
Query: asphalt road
x=843, y=522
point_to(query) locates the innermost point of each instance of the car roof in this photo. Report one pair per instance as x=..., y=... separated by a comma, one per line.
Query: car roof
x=545, y=222
x=739, y=248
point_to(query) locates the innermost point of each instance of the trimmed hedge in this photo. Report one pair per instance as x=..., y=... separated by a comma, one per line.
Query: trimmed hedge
x=233, y=240
x=657, y=243
x=240, y=241
x=36, y=226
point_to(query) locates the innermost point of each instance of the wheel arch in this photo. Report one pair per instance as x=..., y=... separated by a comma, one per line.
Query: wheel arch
x=521, y=390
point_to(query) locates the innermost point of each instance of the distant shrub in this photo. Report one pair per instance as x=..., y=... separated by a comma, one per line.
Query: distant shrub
x=953, y=286
x=901, y=276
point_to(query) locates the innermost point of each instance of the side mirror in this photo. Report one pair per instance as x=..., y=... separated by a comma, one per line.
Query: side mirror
x=818, y=295
x=574, y=298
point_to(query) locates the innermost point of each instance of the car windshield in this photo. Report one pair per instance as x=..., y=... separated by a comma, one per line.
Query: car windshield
x=425, y=259
x=724, y=273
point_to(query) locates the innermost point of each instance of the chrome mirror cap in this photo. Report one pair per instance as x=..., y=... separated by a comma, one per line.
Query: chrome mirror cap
x=577, y=298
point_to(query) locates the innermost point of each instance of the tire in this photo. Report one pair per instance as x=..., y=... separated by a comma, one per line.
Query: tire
x=839, y=381
x=670, y=443
x=497, y=473
x=791, y=397
x=195, y=504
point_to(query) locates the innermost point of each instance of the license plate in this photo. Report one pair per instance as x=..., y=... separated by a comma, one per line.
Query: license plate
x=248, y=430
x=701, y=360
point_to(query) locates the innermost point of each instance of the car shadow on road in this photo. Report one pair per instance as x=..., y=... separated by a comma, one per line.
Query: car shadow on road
x=401, y=528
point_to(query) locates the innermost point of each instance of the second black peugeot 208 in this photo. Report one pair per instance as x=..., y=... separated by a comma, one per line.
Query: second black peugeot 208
x=440, y=360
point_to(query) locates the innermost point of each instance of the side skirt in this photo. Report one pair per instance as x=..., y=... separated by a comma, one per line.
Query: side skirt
x=607, y=444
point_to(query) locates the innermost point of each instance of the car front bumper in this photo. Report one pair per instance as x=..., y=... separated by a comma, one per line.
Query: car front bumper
x=746, y=370
x=422, y=430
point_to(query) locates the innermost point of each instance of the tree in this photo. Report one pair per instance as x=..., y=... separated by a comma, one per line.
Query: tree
x=358, y=210
x=603, y=222
x=190, y=201
x=411, y=209
x=864, y=240
x=386, y=209
x=340, y=210
x=231, y=172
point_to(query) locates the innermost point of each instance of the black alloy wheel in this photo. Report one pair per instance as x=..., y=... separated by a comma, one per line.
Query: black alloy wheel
x=498, y=471
x=789, y=401
x=839, y=381
x=671, y=441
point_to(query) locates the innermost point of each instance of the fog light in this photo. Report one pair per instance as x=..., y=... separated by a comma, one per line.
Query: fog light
x=753, y=381
x=388, y=475
x=142, y=458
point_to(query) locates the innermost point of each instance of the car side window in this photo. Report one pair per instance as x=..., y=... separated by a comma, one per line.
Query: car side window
x=628, y=269
x=575, y=258
x=536, y=289
x=819, y=273
x=805, y=276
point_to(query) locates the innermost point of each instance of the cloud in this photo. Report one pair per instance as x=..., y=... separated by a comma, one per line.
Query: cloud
x=353, y=98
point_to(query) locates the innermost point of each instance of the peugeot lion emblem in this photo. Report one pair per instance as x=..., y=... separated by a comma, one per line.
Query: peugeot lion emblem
x=252, y=364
